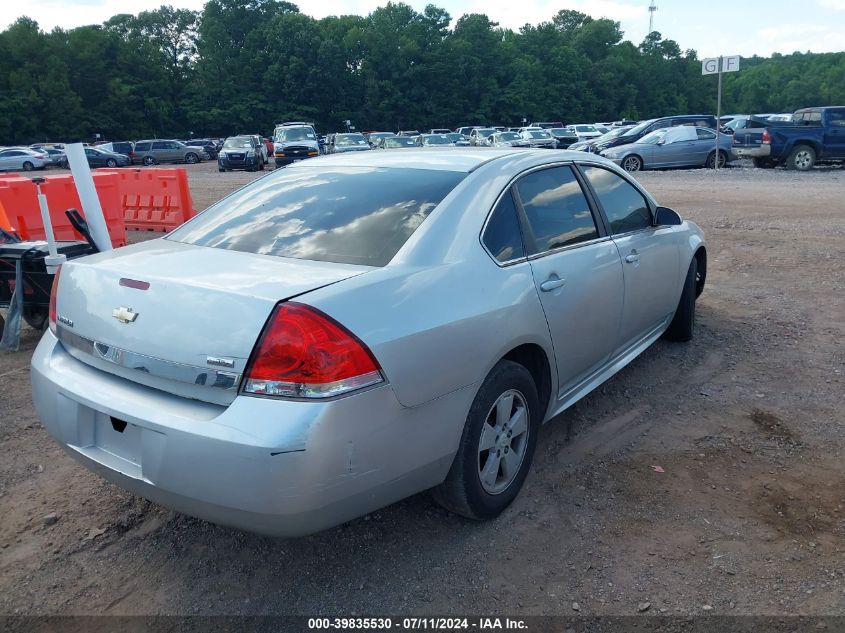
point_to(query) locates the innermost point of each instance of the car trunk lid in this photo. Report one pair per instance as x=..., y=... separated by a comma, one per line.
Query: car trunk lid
x=179, y=317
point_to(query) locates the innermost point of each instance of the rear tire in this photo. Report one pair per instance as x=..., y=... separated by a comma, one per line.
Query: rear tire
x=710, y=163
x=191, y=158
x=149, y=161
x=111, y=162
x=802, y=158
x=36, y=318
x=496, y=447
x=27, y=166
x=681, y=327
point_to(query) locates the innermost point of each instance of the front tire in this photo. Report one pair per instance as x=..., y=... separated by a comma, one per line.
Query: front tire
x=632, y=163
x=496, y=447
x=802, y=158
x=680, y=329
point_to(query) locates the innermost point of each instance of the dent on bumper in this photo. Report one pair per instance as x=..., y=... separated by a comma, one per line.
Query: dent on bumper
x=283, y=468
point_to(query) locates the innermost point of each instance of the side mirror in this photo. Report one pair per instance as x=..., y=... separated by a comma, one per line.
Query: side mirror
x=661, y=142
x=666, y=217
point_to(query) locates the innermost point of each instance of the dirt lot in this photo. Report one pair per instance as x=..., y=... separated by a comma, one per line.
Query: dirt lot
x=746, y=421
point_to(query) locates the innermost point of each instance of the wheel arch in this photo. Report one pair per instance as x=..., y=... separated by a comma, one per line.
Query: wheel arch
x=701, y=267
x=536, y=361
x=811, y=143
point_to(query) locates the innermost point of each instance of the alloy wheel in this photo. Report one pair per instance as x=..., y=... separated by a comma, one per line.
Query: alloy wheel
x=803, y=160
x=503, y=442
x=631, y=163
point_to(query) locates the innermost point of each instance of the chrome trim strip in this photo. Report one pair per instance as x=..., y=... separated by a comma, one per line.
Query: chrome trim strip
x=81, y=347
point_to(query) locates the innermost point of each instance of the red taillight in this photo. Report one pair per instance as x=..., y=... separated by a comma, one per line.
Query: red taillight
x=303, y=353
x=766, y=138
x=53, y=292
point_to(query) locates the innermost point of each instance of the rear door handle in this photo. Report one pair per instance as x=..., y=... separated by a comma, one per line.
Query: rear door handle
x=552, y=283
x=633, y=257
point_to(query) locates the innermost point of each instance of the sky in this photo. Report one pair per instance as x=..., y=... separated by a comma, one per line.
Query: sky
x=711, y=27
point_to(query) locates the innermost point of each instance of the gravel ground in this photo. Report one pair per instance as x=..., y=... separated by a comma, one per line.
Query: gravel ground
x=745, y=421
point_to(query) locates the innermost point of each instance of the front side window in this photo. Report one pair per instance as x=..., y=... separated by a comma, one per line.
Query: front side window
x=556, y=209
x=624, y=206
x=502, y=236
x=349, y=215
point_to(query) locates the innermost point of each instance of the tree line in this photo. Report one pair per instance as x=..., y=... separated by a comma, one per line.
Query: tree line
x=238, y=66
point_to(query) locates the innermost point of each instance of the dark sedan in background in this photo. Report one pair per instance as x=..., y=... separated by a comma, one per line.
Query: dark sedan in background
x=564, y=136
x=103, y=158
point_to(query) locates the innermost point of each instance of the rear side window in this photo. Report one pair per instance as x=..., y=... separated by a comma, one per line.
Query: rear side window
x=704, y=135
x=502, y=236
x=836, y=117
x=556, y=209
x=349, y=215
x=142, y=147
x=624, y=206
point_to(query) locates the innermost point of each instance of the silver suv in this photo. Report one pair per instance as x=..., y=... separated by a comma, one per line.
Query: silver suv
x=155, y=151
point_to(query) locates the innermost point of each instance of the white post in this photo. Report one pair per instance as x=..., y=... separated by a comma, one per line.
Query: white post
x=718, y=114
x=53, y=260
x=88, y=195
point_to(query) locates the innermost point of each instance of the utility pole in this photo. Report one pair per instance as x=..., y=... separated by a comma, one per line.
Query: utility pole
x=651, y=9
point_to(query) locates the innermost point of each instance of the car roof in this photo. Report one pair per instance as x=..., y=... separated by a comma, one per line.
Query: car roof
x=462, y=159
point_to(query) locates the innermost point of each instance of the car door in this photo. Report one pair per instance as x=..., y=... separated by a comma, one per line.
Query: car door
x=834, y=133
x=7, y=160
x=576, y=268
x=704, y=144
x=650, y=255
x=95, y=159
x=160, y=151
x=678, y=144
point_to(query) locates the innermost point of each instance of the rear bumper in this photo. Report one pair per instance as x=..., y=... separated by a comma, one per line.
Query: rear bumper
x=282, y=468
x=762, y=151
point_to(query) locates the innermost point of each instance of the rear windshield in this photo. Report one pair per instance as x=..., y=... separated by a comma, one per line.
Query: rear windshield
x=347, y=215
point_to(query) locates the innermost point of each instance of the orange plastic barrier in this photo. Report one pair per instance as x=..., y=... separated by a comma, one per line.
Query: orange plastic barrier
x=4, y=220
x=154, y=199
x=19, y=198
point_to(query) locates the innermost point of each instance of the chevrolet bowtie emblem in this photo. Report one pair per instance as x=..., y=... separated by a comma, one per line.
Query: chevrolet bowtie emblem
x=124, y=315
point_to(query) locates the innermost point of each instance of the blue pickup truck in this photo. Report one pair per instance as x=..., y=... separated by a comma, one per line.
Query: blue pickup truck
x=814, y=135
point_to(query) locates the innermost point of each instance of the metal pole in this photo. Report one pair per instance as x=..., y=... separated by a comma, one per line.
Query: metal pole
x=718, y=115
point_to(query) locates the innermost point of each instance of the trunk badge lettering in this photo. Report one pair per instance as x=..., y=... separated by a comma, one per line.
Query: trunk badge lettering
x=124, y=315
x=220, y=362
x=64, y=321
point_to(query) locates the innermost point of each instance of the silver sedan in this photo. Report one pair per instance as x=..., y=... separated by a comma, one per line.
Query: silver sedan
x=361, y=327
x=682, y=146
x=22, y=159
